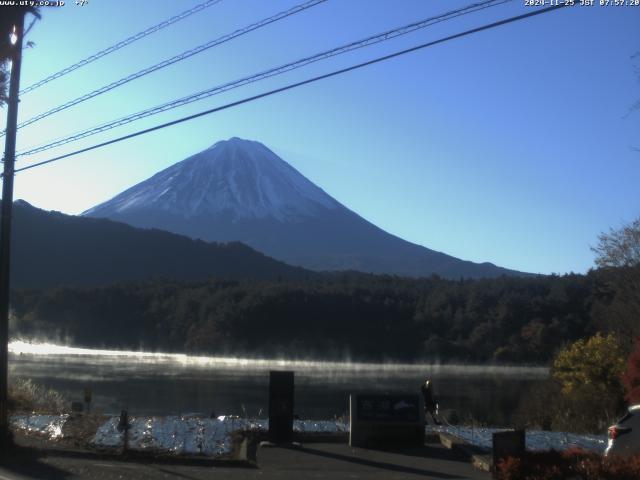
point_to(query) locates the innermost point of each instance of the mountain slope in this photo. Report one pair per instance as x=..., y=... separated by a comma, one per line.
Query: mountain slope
x=52, y=249
x=239, y=190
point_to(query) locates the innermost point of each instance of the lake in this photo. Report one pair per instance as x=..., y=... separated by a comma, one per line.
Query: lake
x=160, y=384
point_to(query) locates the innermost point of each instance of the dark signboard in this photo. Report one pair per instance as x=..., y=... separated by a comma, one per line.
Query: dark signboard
x=280, y=407
x=388, y=408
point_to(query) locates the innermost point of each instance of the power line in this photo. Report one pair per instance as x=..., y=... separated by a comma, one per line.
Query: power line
x=121, y=44
x=380, y=37
x=170, y=61
x=299, y=84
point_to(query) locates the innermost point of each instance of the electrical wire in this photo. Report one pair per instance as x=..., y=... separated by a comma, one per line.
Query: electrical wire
x=177, y=58
x=299, y=84
x=120, y=45
x=371, y=40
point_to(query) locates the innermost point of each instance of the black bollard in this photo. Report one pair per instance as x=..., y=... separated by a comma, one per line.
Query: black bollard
x=123, y=426
x=281, y=407
x=87, y=398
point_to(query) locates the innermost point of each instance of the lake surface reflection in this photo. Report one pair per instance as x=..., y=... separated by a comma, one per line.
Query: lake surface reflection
x=150, y=383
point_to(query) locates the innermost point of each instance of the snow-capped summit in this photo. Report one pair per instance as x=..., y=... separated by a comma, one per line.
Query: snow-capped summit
x=239, y=190
x=238, y=178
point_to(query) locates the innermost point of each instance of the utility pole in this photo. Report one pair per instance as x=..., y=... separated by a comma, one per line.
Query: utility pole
x=5, y=220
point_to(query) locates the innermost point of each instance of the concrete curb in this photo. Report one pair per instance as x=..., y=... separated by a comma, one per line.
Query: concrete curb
x=32, y=447
x=337, y=437
x=479, y=458
x=246, y=450
x=241, y=459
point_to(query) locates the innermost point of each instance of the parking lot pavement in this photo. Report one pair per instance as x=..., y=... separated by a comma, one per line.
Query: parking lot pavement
x=311, y=461
x=341, y=461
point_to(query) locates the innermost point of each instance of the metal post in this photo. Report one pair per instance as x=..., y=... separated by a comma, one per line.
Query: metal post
x=5, y=221
x=123, y=426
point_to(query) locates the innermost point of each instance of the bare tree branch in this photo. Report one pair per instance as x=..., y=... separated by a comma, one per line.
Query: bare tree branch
x=619, y=248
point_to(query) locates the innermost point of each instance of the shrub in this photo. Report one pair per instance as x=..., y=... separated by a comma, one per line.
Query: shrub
x=631, y=376
x=24, y=395
x=589, y=373
x=549, y=465
x=575, y=464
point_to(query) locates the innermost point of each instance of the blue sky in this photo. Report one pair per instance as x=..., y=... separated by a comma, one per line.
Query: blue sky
x=511, y=146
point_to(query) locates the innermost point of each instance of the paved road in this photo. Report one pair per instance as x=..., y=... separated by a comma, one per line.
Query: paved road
x=312, y=461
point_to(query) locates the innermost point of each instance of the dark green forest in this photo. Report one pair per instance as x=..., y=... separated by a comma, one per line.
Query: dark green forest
x=341, y=316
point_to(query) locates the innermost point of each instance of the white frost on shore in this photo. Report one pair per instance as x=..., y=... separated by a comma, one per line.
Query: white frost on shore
x=48, y=425
x=174, y=435
x=209, y=437
x=320, y=426
x=299, y=426
x=534, y=439
x=212, y=437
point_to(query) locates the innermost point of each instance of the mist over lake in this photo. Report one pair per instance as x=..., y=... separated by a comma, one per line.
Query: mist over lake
x=156, y=383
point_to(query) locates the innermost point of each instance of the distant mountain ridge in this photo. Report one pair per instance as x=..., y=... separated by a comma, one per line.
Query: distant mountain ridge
x=239, y=190
x=50, y=249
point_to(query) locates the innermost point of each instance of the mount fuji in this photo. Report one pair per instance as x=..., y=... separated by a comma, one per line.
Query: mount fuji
x=239, y=190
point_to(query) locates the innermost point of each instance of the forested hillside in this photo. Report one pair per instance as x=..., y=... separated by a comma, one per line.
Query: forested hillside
x=366, y=317
x=52, y=249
